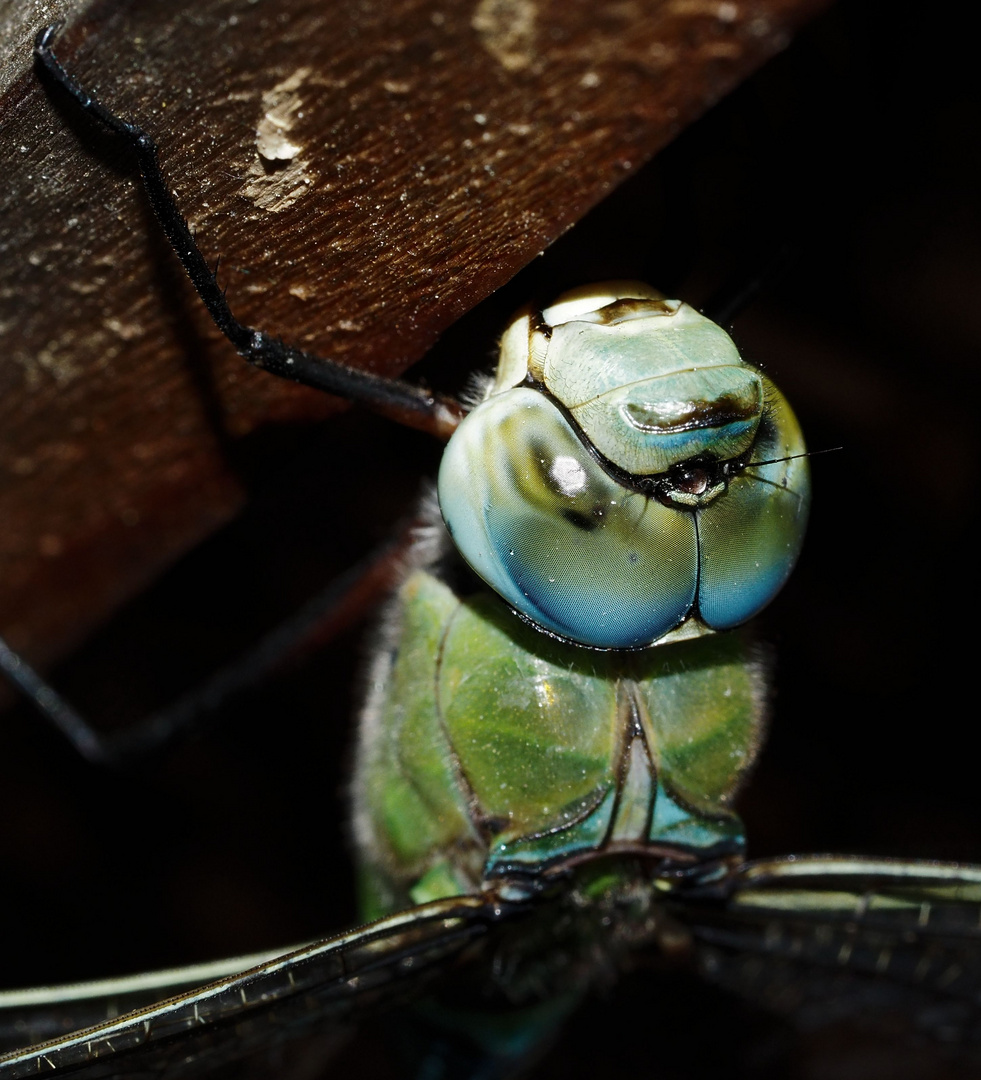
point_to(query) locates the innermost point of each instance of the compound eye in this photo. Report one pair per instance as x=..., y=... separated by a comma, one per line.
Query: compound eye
x=750, y=537
x=565, y=544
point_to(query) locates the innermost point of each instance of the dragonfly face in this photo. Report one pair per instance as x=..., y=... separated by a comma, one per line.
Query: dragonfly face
x=630, y=476
x=867, y=650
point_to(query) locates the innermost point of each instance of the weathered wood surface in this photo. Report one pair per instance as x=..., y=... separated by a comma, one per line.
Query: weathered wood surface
x=366, y=172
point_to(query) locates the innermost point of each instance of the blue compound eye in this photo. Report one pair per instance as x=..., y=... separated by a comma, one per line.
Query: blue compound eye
x=667, y=499
x=750, y=536
x=567, y=546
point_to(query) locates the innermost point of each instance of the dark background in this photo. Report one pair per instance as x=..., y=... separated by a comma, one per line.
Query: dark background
x=848, y=168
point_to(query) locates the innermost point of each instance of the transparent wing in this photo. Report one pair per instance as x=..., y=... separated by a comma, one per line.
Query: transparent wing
x=278, y=999
x=884, y=944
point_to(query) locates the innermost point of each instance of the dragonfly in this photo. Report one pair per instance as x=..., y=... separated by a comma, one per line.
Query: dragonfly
x=883, y=889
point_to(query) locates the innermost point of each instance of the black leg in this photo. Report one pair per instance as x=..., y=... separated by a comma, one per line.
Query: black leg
x=302, y=632
x=398, y=400
x=52, y=705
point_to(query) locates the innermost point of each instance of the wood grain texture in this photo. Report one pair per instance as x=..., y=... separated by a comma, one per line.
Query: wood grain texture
x=367, y=173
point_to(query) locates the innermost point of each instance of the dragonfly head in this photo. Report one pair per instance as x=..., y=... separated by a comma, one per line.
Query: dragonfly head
x=629, y=475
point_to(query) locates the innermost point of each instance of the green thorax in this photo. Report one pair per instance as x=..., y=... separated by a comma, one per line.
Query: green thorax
x=491, y=751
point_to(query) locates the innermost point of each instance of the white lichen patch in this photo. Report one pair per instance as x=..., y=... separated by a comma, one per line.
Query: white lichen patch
x=128, y=331
x=58, y=360
x=401, y=87
x=280, y=108
x=279, y=175
x=507, y=31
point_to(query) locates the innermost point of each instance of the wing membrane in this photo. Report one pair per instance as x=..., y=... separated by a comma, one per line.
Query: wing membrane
x=888, y=944
x=317, y=985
